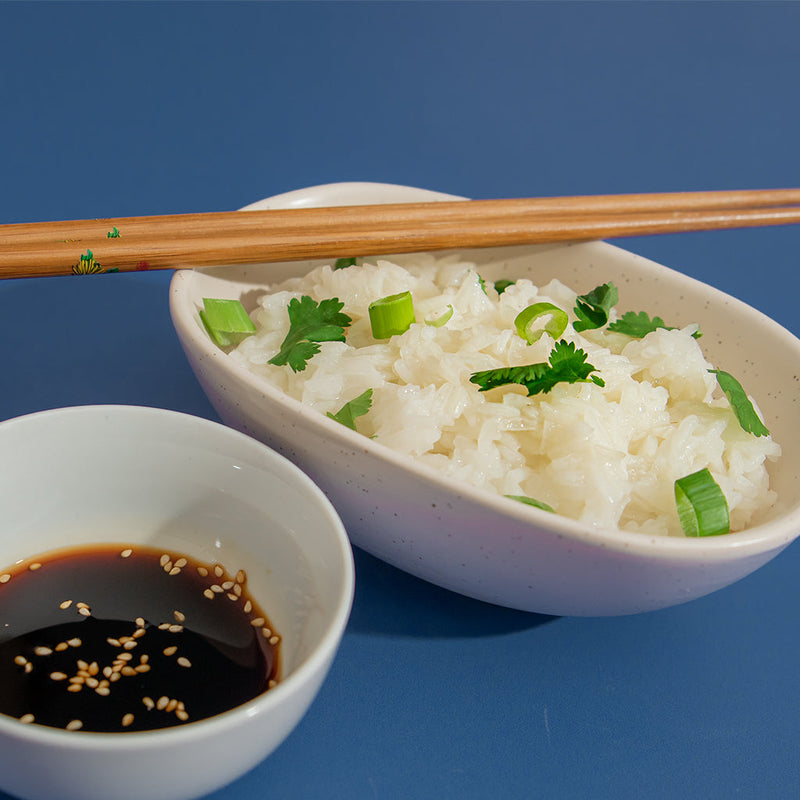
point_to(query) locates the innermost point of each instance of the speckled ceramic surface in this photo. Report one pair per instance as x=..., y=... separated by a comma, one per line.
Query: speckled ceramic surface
x=473, y=542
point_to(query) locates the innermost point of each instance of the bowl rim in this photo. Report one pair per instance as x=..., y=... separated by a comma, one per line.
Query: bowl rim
x=760, y=538
x=305, y=673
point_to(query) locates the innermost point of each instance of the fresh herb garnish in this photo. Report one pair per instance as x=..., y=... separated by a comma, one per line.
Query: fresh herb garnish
x=567, y=364
x=639, y=324
x=356, y=407
x=530, y=501
x=310, y=322
x=592, y=309
x=740, y=403
x=503, y=284
x=343, y=263
x=437, y=322
x=702, y=507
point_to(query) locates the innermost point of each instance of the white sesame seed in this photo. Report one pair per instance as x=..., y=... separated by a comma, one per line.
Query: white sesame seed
x=164, y=559
x=241, y=576
x=107, y=671
x=181, y=562
x=127, y=720
x=274, y=639
x=168, y=566
x=148, y=701
x=184, y=662
x=202, y=571
x=139, y=632
x=179, y=616
x=20, y=660
x=5, y=577
x=175, y=628
x=114, y=642
x=65, y=604
x=77, y=679
x=181, y=715
x=85, y=612
x=237, y=589
x=29, y=667
x=74, y=725
x=257, y=622
x=227, y=585
x=143, y=659
x=36, y=565
x=27, y=718
x=115, y=676
x=161, y=703
x=61, y=646
x=140, y=623
x=216, y=588
x=104, y=691
x=267, y=632
x=130, y=645
x=170, y=651
x=232, y=597
x=82, y=664
x=75, y=687
x=272, y=683
x=123, y=657
x=74, y=642
x=92, y=683
x=175, y=571
x=208, y=593
x=172, y=705
x=94, y=668
x=163, y=626
x=127, y=552
x=82, y=605
x=58, y=676
x=128, y=671
x=43, y=651
x=218, y=571
x=142, y=668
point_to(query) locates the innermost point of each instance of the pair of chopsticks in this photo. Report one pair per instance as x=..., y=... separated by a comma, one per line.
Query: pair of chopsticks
x=245, y=237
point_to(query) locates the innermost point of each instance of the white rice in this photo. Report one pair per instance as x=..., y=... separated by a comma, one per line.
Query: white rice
x=607, y=456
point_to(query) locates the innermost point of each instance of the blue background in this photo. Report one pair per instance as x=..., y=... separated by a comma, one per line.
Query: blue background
x=114, y=109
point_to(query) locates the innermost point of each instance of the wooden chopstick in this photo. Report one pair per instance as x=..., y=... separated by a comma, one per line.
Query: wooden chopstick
x=243, y=237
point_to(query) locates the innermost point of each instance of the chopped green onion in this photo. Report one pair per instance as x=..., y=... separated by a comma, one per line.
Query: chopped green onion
x=392, y=315
x=437, y=322
x=530, y=501
x=226, y=321
x=503, y=284
x=343, y=263
x=702, y=507
x=555, y=326
x=740, y=403
x=356, y=407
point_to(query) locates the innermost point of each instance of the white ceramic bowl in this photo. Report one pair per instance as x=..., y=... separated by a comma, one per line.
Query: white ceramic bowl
x=469, y=540
x=147, y=476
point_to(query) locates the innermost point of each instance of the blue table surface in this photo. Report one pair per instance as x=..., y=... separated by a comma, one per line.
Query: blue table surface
x=114, y=109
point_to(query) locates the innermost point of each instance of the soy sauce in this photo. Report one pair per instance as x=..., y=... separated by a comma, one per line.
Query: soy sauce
x=118, y=638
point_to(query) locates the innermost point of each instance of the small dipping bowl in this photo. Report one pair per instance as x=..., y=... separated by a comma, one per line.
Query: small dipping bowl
x=142, y=476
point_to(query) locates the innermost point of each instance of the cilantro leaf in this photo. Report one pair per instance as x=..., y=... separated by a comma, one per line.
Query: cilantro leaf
x=740, y=403
x=503, y=284
x=567, y=364
x=638, y=325
x=592, y=309
x=310, y=322
x=356, y=407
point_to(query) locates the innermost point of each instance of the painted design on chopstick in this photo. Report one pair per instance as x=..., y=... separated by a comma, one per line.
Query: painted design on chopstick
x=86, y=264
x=113, y=233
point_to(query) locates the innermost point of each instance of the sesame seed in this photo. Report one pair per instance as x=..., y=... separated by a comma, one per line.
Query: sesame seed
x=274, y=639
x=181, y=715
x=28, y=667
x=75, y=687
x=65, y=604
x=241, y=576
x=164, y=559
x=20, y=660
x=163, y=626
x=172, y=705
x=248, y=607
x=148, y=701
x=108, y=672
x=216, y=588
x=123, y=657
x=272, y=683
x=170, y=651
x=43, y=651
x=237, y=589
x=130, y=645
x=5, y=577
x=85, y=611
x=61, y=646
x=175, y=628
x=181, y=562
x=257, y=622
x=127, y=552
x=77, y=679
x=74, y=642
x=175, y=571
x=36, y=565
x=231, y=596
x=161, y=703
x=104, y=691
x=115, y=676
x=27, y=718
x=202, y=571
x=168, y=566
x=139, y=632
x=227, y=585
x=92, y=683
x=140, y=623
x=82, y=664
x=114, y=642
x=82, y=605
x=184, y=662
x=179, y=616
x=218, y=571
x=143, y=659
x=74, y=725
x=208, y=593
x=94, y=668
x=58, y=676
x=127, y=720
x=142, y=668
x=128, y=671
x=267, y=632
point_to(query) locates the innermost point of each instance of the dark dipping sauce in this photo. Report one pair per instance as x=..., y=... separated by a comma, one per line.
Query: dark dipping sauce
x=115, y=638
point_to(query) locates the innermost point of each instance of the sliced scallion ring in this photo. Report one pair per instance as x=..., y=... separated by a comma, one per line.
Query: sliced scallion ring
x=392, y=315
x=702, y=507
x=555, y=326
x=437, y=322
x=226, y=321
